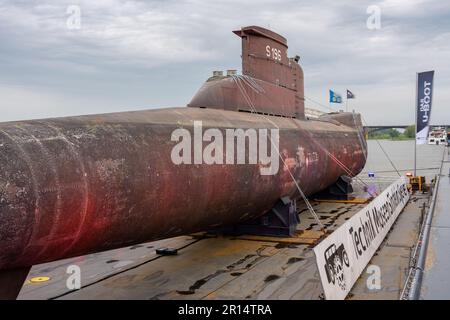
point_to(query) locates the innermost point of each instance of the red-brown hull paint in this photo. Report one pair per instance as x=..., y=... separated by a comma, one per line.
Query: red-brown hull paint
x=233, y=93
x=77, y=185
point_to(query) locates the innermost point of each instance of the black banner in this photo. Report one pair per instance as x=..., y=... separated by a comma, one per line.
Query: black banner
x=423, y=103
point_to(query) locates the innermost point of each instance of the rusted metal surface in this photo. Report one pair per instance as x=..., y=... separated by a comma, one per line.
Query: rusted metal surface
x=75, y=185
x=227, y=93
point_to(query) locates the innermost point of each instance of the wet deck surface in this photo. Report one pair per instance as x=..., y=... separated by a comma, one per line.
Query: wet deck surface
x=436, y=282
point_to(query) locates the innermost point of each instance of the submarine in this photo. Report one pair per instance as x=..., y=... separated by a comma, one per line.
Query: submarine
x=72, y=186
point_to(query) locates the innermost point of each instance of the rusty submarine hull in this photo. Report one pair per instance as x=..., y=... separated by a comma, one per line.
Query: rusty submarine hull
x=77, y=185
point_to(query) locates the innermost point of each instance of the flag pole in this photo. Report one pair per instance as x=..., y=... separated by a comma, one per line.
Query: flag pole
x=329, y=100
x=415, y=123
x=346, y=100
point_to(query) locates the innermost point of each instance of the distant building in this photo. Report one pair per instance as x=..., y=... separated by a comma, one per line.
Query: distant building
x=437, y=136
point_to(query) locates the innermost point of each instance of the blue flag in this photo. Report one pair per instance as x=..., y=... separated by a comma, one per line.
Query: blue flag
x=335, y=97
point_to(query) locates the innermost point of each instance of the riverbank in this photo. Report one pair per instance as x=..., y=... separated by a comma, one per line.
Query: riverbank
x=400, y=138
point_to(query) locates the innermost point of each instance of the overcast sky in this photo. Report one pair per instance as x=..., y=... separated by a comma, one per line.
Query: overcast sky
x=130, y=55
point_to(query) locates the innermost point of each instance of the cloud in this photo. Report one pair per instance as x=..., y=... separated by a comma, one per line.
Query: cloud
x=157, y=53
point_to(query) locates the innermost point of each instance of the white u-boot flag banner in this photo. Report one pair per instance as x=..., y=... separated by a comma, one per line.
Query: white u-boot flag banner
x=343, y=255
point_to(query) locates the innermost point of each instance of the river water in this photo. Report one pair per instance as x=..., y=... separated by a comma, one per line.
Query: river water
x=401, y=154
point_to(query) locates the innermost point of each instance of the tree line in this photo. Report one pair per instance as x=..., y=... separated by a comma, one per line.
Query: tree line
x=393, y=134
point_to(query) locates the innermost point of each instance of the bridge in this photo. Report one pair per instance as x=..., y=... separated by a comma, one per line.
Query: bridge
x=373, y=128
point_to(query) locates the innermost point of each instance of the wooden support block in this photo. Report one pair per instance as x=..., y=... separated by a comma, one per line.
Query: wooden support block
x=302, y=237
x=350, y=201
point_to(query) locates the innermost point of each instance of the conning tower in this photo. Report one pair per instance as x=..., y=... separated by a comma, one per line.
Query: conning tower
x=271, y=82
